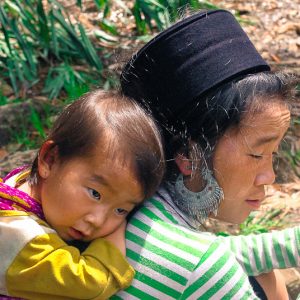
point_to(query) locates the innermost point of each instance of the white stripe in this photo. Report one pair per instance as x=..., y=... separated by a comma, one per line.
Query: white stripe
x=269, y=243
x=205, y=237
x=157, y=212
x=125, y=295
x=295, y=252
x=246, y=242
x=260, y=251
x=281, y=241
x=202, y=242
x=238, y=251
x=141, y=251
x=245, y=288
x=231, y=283
x=214, y=279
x=293, y=246
x=207, y=264
x=162, y=245
x=160, y=277
x=150, y=291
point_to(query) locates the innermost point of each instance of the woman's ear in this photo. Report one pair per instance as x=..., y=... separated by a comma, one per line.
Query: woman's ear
x=184, y=164
x=48, y=155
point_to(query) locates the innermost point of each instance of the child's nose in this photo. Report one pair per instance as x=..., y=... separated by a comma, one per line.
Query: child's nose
x=96, y=219
x=100, y=216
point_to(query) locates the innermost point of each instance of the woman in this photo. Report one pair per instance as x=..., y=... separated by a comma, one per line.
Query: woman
x=223, y=115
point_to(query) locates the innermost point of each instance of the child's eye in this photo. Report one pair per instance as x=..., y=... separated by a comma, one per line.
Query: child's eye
x=94, y=194
x=121, y=211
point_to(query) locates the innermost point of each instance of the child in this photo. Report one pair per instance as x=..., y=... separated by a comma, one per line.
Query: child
x=101, y=159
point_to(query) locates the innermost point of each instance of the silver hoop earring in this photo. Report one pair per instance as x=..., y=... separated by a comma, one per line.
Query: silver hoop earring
x=201, y=204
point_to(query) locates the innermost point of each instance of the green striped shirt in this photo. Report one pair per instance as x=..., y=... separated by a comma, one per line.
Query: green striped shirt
x=173, y=261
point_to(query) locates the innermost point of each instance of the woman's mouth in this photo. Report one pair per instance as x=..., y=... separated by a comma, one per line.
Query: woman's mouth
x=254, y=203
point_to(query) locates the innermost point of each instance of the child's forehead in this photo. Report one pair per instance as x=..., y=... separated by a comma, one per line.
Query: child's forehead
x=111, y=152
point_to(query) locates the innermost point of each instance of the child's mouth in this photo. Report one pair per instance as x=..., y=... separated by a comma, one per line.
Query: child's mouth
x=75, y=234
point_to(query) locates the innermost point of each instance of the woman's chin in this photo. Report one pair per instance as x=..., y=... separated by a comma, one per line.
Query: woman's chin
x=230, y=219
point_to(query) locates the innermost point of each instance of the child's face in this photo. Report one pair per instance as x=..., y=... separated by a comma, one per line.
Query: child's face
x=87, y=197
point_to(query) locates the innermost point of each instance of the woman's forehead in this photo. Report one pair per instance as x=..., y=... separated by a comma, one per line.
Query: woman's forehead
x=274, y=113
x=265, y=127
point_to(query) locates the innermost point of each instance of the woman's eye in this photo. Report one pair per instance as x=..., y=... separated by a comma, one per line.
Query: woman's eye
x=275, y=157
x=121, y=211
x=256, y=156
x=94, y=194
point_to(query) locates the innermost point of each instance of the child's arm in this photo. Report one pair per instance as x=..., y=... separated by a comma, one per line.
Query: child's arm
x=118, y=238
x=40, y=265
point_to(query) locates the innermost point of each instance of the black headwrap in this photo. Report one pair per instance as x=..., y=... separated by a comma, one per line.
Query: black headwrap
x=189, y=59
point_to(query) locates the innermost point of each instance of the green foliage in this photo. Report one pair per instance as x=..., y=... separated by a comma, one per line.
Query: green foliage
x=161, y=13
x=23, y=138
x=149, y=14
x=32, y=130
x=65, y=77
x=32, y=38
x=37, y=123
x=290, y=153
x=3, y=99
x=259, y=223
x=294, y=160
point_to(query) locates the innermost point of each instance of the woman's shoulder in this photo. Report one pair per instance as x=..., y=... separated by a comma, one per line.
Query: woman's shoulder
x=158, y=222
x=182, y=257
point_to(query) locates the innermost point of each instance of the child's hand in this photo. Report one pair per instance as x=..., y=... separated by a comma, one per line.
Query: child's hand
x=118, y=238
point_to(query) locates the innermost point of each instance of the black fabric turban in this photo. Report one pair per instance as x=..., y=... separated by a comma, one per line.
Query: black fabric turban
x=189, y=59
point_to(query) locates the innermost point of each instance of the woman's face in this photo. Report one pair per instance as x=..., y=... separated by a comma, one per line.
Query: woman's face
x=243, y=160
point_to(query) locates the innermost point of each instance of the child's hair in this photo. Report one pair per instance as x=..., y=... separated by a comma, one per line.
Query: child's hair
x=134, y=138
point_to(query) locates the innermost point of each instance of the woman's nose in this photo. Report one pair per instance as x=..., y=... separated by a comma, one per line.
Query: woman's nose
x=266, y=176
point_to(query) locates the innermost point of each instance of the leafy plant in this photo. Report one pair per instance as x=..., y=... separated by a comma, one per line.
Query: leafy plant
x=33, y=38
x=32, y=129
x=162, y=13
x=294, y=160
x=65, y=77
x=3, y=99
x=23, y=137
x=259, y=223
x=290, y=150
x=37, y=123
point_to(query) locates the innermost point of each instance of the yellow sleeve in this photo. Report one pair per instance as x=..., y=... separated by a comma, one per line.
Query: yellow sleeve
x=47, y=268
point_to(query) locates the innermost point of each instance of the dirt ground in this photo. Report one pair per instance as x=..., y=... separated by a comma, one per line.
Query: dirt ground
x=275, y=29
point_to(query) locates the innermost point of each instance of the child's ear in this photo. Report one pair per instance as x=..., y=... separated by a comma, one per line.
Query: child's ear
x=184, y=164
x=48, y=155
